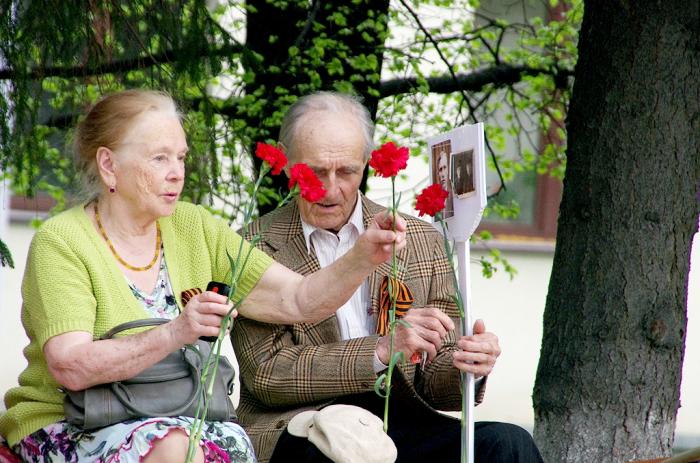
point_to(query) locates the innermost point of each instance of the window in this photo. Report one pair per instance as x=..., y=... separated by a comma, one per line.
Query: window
x=539, y=197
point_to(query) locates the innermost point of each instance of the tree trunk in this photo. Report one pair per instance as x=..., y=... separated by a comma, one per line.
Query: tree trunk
x=339, y=46
x=607, y=387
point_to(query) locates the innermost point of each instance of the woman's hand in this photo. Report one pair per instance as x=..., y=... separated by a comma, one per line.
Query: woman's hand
x=377, y=241
x=202, y=316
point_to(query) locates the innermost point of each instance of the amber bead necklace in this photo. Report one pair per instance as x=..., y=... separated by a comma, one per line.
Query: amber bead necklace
x=114, y=251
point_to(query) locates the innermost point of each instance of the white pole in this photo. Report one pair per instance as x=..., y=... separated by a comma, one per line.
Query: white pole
x=467, y=142
x=462, y=251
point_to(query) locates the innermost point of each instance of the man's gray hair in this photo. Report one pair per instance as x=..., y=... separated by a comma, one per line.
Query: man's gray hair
x=333, y=102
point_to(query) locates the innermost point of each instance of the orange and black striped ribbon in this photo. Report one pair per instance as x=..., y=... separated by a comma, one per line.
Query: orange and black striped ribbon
x=188, y=294
x=404, y=299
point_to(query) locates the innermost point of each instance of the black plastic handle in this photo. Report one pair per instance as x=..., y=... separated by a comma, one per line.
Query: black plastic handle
x=219, y=288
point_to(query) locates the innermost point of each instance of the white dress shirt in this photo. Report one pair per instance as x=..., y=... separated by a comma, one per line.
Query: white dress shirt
x=354, y=319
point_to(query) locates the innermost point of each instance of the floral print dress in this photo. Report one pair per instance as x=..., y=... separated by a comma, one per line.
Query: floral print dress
x=130, y=441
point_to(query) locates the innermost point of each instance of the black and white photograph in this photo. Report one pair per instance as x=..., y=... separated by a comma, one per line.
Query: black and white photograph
x=462, y=173
x=441, y=173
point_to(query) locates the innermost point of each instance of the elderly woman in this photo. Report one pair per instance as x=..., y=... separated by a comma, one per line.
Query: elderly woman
x=128, y=254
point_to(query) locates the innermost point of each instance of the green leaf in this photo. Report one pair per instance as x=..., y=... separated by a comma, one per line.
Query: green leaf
x=335, y=67
x=380, y=386
x=396, y=358
x=5, y=256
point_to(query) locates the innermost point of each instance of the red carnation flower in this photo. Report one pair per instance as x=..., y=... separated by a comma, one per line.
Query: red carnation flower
x=431, y=200
x=388, y=160
x=273, y=156
x=310, y=186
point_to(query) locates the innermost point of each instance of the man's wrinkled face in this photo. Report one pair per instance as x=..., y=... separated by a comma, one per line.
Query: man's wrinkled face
x=332, y=144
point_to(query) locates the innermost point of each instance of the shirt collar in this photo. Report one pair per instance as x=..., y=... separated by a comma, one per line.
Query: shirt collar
x=355, y=221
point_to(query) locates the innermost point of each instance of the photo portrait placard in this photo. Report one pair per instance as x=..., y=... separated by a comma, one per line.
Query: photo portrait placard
x=457, y=163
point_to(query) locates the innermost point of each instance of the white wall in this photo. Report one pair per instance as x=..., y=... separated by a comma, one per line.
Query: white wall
x=4, y=218
x=12, y=337
x=512, y=309
x=688, y=424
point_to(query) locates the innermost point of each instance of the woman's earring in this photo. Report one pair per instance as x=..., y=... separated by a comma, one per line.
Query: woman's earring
x=112, y=189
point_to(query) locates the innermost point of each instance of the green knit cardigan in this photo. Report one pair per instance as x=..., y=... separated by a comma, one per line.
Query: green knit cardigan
x=73, y=283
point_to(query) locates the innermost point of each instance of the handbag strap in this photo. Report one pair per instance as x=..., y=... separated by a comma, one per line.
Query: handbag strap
x=121, y=392
x=132, y=325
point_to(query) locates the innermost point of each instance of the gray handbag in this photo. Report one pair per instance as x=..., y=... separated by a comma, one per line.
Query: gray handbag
x=171, y=387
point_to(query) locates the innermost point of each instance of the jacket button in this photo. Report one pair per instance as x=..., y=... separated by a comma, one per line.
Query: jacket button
x=280, y=424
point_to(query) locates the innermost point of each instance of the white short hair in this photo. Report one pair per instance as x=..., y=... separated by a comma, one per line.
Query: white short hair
x=333, y=102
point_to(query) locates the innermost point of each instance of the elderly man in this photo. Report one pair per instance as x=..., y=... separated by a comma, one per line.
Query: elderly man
x=289, y=369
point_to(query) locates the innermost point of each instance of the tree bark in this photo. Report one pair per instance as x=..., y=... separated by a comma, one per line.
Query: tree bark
x=607, y=386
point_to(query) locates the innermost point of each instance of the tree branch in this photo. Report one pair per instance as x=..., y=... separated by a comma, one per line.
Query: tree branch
x=499, y=75
x=124, y=65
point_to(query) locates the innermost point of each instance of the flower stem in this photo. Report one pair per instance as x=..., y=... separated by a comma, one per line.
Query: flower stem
x=392, y=310
x=211, y=363
x=460, y=306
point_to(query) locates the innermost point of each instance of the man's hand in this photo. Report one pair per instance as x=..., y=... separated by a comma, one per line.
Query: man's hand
x=478, y=352
x=376, y=242
x=429, y=326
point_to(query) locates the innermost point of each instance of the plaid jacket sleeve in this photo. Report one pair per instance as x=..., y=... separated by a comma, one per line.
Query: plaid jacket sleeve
x=287, y=365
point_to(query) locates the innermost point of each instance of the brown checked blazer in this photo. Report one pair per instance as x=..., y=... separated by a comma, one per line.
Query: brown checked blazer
x=289, y=369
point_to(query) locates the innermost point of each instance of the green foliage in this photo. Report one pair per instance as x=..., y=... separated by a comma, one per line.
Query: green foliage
x=60, y=63
x=491, y=261
x=5, y=256
x=235, y=90
x=515, y=113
